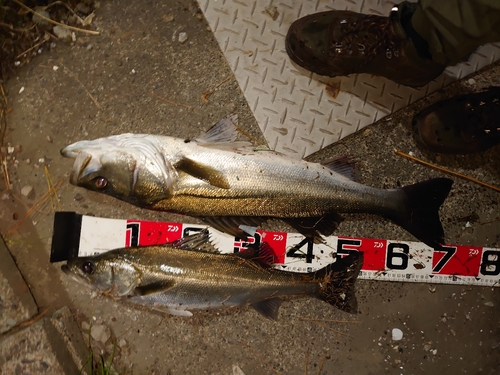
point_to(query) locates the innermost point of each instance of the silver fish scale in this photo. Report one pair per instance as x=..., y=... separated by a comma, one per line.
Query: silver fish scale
x=198, y=280
x=267, y=184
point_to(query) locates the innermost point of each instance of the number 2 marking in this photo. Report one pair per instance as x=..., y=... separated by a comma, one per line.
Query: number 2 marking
x=450, y=251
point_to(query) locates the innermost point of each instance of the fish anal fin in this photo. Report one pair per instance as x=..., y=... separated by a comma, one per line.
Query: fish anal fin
x=203, y=172
x=223, y=132
x=156, y=287
x=314, y=227
x=343, y=165
x=268, y=307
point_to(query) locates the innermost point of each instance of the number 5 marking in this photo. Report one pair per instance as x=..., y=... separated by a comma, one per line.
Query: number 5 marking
x=450, y=251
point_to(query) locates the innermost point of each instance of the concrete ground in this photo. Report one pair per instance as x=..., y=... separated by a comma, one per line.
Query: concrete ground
x=103, y=85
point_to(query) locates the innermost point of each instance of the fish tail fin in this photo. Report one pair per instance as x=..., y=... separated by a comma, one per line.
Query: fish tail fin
x=421, y=216
x=337, y=282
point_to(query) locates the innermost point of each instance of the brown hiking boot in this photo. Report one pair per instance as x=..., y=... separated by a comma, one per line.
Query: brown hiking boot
x=464, y=124
x=339, y=43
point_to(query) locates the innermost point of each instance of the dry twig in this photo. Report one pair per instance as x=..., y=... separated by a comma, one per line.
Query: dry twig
x=456, y=174
x=37, y=205
x=45, y=39
x=171, y=102
x=330, y=320
x=206, y=94
x=55, y=22
x=72, y=75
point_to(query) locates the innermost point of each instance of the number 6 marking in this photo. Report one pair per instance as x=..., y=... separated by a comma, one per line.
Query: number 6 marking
x=450, y=251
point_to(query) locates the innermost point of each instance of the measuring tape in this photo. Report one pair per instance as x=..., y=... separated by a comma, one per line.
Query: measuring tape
x=79, y=235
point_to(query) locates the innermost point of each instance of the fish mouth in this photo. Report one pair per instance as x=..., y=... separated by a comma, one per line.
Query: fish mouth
x=68, y=152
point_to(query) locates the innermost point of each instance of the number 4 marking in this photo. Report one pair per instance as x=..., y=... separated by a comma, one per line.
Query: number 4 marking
x=450, y=251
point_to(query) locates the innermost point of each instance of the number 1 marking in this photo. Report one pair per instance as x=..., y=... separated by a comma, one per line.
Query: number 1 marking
x=450, y=251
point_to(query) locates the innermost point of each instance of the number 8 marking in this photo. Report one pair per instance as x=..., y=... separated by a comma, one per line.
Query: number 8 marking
x=490, y=267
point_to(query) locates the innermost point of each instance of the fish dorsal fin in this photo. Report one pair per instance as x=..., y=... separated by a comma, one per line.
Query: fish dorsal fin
x=268, y=307
x=343, y=166
x=203, y=172
x=156, y=287
x=225, y=131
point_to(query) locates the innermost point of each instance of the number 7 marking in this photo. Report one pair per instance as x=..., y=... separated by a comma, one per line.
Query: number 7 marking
x=450, y=251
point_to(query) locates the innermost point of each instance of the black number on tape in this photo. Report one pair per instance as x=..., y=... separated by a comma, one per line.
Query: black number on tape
x=134, y=234
x=402, y=256
x=450, y=251
x=490, y=263
x=292, y=253
x=341, y=250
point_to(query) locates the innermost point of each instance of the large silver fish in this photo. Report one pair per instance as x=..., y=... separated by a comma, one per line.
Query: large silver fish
x=178, y=280
x=228, y=184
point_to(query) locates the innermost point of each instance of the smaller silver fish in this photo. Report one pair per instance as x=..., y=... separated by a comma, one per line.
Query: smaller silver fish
x=177, y=279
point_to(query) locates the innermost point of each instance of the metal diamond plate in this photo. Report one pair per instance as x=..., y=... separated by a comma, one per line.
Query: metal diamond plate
x=293, y=107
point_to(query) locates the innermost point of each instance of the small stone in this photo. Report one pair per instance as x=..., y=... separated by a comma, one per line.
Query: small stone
x=39, y=20
x=49, y=139
x=489, y=304
x=85, y=326
x=122, y=342
x=62, y=33
x=169, y=17
x=434, y=351
x=78, y=197
x=427, y=347
x=183, y=37
x=397, y=334
x=21, y=90
x=82, y=8
x=10, y=149
x=100, y=333
x=471, y=81
x=54, y=68
x=28, y=192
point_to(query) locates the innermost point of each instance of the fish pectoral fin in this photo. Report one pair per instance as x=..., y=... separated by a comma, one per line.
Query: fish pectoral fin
x=268, y=307
x=344, y=166
x=316, y=226
x=203, y=172
x=156, y=287
x=173, y=311
x=223, y=132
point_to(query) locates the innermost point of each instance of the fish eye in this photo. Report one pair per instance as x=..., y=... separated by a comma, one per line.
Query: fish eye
x=101, y=182
x=88, y=267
